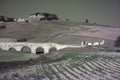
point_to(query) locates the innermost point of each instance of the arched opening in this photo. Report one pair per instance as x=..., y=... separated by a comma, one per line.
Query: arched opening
x=39, y=50
x=26, y=49
x=12, y=49
x=53, y=49
x=1, y=48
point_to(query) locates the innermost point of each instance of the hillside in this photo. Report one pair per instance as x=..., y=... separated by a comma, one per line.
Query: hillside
x=34, y=30
x=63, y=32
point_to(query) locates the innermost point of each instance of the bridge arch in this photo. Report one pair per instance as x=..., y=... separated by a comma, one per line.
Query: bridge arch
x=52, y=49
x=26, y=49
x=12, y=49
x=1, y=48
x=40, y=50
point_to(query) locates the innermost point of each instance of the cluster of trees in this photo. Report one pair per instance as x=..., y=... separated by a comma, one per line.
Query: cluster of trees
x=6, y=19
x=48, y=16
x=117, y=42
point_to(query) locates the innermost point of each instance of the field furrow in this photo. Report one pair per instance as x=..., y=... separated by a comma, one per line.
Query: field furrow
x=56, y=76
x=79, y=71
x=109, y=67
x=108, y=71
x=97, y=71
x=115, y=62
x=61, y=74
x=102, y=71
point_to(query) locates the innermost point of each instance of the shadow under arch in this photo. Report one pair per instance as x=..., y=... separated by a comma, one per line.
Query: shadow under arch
x=1, y=48
x=52, y=49
x=39, y=50
x=12, y=49
x=26, y=49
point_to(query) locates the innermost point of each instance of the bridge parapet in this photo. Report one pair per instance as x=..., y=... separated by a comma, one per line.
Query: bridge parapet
x=46, y=46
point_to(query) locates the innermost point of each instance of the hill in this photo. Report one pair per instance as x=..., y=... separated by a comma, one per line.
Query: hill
x=63, y=32
x=34, y=30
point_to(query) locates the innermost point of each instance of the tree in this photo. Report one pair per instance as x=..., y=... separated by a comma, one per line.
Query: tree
x=27, y=21
x=67, y=19
x=117, y=42
x=2, y=18
x=9, y=19
x=86, y=21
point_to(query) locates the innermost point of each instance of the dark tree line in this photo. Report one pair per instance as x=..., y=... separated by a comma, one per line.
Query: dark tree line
x=6, y=19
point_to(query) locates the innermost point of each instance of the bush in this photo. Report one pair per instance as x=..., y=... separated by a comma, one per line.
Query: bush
x=86, y=21
x=117, y=50
x=117, y=42
x=27, y=21
x=21, y=40
x=67, y=19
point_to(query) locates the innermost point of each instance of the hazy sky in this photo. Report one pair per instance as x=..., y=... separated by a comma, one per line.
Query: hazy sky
x=99, y=11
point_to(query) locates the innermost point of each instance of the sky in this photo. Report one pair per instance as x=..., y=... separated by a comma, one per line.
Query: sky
x=105, y=12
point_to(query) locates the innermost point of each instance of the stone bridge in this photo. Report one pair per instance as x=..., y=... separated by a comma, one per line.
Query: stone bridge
x=39, y=48
x=33, y=47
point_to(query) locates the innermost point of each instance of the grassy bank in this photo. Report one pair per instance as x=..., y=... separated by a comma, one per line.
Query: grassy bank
x=8, y=56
